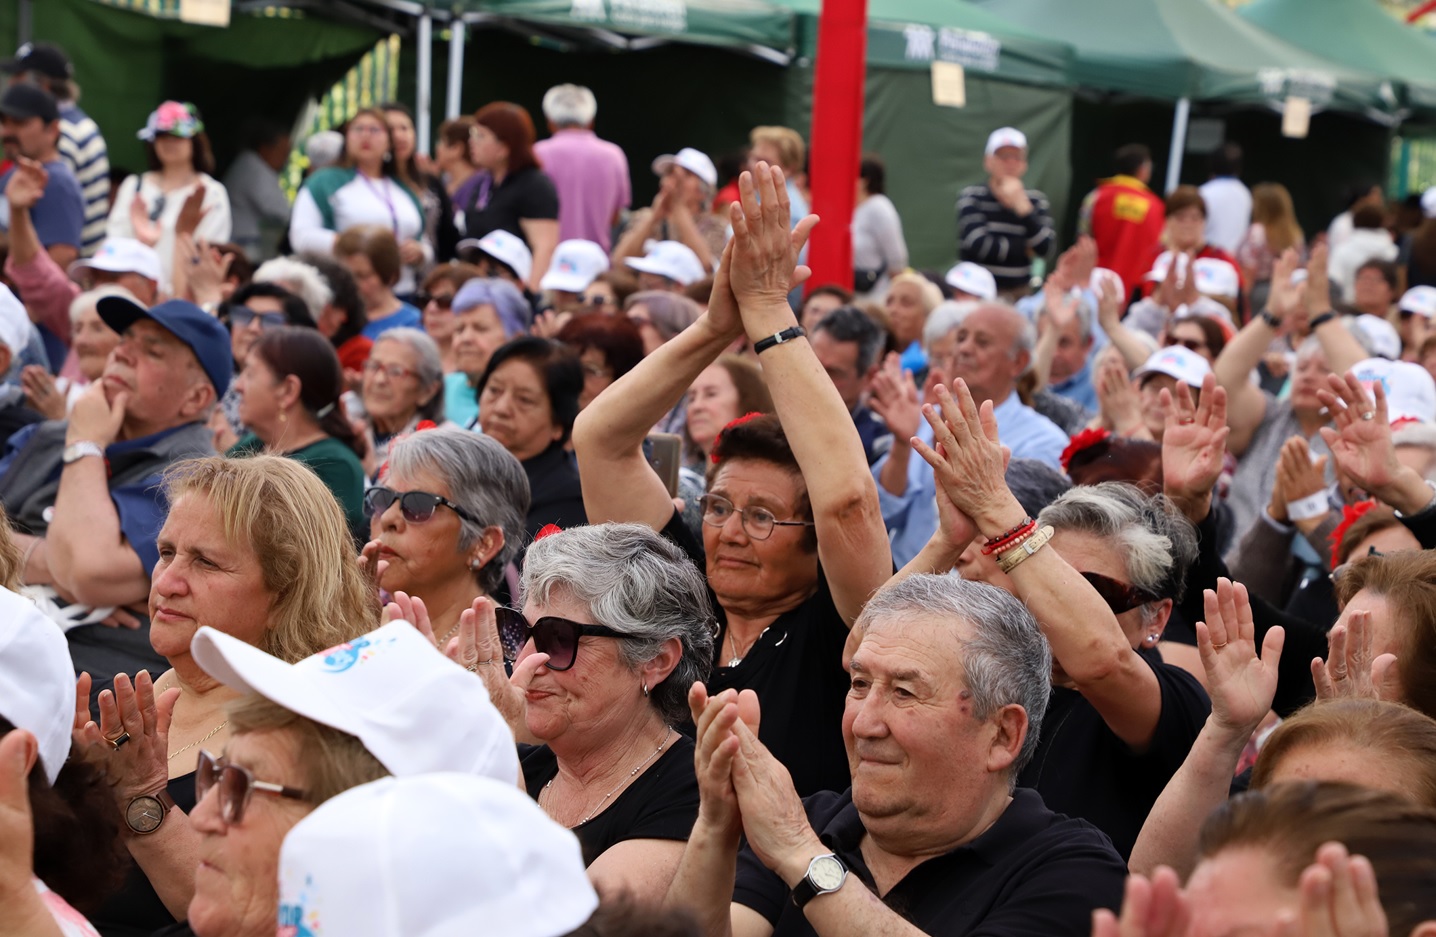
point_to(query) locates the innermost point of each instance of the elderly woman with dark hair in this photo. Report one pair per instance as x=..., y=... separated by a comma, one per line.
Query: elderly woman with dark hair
x=528, y=399
x=487, y=312
x=608, y=347
x=446, y=519
x=1120, y=720
x=619, y=627
x=403, y=386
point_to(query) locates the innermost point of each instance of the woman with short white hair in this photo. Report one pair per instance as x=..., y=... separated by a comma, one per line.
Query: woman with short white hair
x=92, y=341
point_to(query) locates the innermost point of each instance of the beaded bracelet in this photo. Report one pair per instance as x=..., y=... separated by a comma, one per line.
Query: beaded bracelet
x=1008, y=539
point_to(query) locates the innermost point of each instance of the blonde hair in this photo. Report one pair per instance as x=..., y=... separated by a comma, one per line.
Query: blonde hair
x=298, y=533
x=928, y=290
x=789, y=143
x=331, y=761
x=1273, y=210
x=12, y=560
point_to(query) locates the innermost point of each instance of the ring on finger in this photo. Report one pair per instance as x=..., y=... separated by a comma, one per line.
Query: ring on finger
x=118, y=740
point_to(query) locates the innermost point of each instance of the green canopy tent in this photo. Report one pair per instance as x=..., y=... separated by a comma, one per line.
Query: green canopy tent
x=1359, y=34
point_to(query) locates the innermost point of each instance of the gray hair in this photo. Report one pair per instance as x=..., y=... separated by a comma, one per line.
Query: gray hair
x=945, y=318
x=89, y=299
x=637, y=582
x=570, y=106
x=1156, y=542
x=1419, y=436
x=851, y=324
x=1035, y=484
x=483, y=478
x=1007, y=659
x=431, y=361
x=670, y=313
x=301, y=279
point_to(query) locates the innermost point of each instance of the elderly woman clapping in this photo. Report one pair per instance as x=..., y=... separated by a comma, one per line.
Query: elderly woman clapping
x=256, y=548
x=619, y=626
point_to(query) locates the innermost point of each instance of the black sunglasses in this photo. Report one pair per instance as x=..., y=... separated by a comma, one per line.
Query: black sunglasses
x=1191, y=344
x=1119, y=596
x=556, y=637
x=241, y=316
x=235, y=784
x=443, y=302
x=416, y=506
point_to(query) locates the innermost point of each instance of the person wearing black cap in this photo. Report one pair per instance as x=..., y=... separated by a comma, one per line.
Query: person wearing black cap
x=81, y=144
x=30, y=121
x=83, y=495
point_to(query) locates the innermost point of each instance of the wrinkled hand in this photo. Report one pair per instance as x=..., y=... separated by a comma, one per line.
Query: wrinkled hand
x=478, y=649
x=95, y=418
x=1241, y=684
x=42, y=393
x=27, y=183
x=1155, y=908
x=191, y=213
x=957, y=529
x=140, y=765
x=1362, y=447
x=1351, y=669
x=549, y=323
x=372, y=567
x=765, y=246
x=894, y=398
x=774, y=823
x=1296, y=474
x=969, y=460
x=1339, y=898
x=145, y=230
x=1117, y=401
x=1194, y=441
x=715, y=746
x=722, y=315
x=1285, y=298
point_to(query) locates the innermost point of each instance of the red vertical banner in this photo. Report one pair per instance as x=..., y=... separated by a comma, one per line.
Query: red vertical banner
x=835, y=143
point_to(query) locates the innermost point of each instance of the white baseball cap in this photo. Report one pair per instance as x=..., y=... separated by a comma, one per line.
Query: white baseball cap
x=972, y=279
x=1428, y=202
x=1163, y=263
x=14, y=321
x=670, y=259
x=37, y=678
x=692, y=160
x=1215, y=277
x=1420, y=300
x=439, y=855
x=1376, y=335
x=413, y=708
x=505, y=247
x=1410, y=391
x=1176, y=361
x=1005, y=136
x=574, y=266
x=1099, y=277
x=123, y=255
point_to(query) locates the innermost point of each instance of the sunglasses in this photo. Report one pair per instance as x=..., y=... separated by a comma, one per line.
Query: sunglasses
x=241, y=316
x=556, y=637
x=234, y=785
x=416, y=506
x=443, y=302
x=1191, y=344
x=1119, y=596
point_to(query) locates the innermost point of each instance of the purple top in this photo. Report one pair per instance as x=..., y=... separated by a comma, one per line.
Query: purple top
x=591, y=176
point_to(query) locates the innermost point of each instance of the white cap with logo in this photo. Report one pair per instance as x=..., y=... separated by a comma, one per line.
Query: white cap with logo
x=439, y=855
x=972, y=279
x=1420, y=300
x=1003, y=137
x=37, y=678
x=1178, y=362
x=413, y=708
x=1410, y=390
x=123, y=255
x=670, y=259
x=692, y=160
x=1376, y=335
x=574, y=266
x=505, y=247
x=1216, y=277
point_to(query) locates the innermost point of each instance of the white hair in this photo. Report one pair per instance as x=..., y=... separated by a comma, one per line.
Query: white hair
x=945, y=318
x=301, y=279
x=91, y=298
x=570, y=106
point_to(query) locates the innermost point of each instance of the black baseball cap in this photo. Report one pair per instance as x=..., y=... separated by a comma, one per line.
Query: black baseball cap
x=22, y=101
x=40, y=57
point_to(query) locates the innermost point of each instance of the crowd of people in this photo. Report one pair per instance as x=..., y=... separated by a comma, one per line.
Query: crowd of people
x=455, y=549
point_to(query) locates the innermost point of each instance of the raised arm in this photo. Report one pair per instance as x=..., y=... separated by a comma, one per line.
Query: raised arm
x=1246, y=406
x=1362, y=446
x=852, y=541
x=1342, y=349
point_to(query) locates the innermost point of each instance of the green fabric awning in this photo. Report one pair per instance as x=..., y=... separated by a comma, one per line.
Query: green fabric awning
x=1357, y=33
x=1198, y=49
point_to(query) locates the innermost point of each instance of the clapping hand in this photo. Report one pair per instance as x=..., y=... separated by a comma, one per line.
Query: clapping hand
x=969, y=460
x=191, y=213
x=1298, y=477
x=1339, y=898
x=27, y=183
x=894, y=398
x=764, y=265
x=716, y=745
x=132, y=734
x=1117, y=402
x=1360, y=435
x=1241, y=684
x=1155, y=908
x=146, y=231
x=1194, y=444
x=774, y=822
x=1285, y=297
x=1352, y=670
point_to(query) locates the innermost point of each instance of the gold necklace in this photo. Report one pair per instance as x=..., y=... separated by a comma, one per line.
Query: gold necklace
x=594, y=812
x=208, y=735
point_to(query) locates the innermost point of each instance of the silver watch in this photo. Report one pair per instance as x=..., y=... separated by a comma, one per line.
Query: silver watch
x=76, y=451
x=826, y=874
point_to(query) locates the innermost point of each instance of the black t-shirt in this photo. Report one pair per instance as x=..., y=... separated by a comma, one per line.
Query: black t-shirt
x=661, y=803
x=555, y=496
x=796, y=668
x=1033, y=873
x=1083, y=770
x=528, y=194
x=136, y=911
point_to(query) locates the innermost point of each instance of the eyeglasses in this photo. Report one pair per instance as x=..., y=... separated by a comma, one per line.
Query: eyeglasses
x=598, y=301
x=1191, y=344
x=1119, y=596
x=597, y=370
x=240, y=317
x=234, y=784
x=757, y=522
x=416, y=506
x=368, y=130
x=442, y=301
x=556, y=637
x=395, y=372
x=1336, y=574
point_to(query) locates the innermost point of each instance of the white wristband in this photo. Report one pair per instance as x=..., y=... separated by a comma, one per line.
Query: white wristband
x=1308, y=508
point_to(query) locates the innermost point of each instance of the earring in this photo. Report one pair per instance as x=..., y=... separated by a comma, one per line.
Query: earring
x=645, y=689
x=1151, y=639
x=284, y=416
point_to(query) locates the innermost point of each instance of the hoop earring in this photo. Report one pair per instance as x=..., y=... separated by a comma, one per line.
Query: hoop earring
x=645, y=689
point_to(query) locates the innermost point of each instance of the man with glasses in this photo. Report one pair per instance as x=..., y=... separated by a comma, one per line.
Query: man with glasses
x=82, y=495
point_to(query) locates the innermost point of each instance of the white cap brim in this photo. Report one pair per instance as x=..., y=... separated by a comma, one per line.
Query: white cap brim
x=564, y=283
x=244, y=667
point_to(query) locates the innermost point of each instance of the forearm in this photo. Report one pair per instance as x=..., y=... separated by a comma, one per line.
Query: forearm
x=1134, y=351
x=168, y=858
x=1043, y=354
x=893, y=475
x=631, y=243
x=1408, y=492
x=24, y=242
x=703, y=884
x=689, y=235
x=1242, y=354
x=85, y=543
x=36, y=554
x=1342, y=349
x=853, y=909
x=1201, y=784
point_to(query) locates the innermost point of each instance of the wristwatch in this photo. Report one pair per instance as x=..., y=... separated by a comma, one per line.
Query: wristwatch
x=76, y=451
x=826, y=874
x=1266, y=316
x=146, y=812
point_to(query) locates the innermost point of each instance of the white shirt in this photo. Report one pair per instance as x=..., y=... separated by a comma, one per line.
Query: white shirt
x=1229, y=212
x=1361, y=245
x=360, y=201
x=213, y=228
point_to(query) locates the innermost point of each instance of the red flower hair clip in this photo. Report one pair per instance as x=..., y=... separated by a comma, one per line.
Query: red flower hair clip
x=718, y=440
x=547, y=530
x=1083, y=440
x=425, y=424
x=1349, y=515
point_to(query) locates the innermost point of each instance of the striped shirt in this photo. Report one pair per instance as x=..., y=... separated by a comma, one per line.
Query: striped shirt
x=990, y=234
x=82, y=146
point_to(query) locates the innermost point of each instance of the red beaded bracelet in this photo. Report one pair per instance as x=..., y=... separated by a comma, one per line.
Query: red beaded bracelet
x=1011, y=538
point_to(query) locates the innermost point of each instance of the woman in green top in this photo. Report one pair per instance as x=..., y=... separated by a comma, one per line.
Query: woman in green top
x=289, y=398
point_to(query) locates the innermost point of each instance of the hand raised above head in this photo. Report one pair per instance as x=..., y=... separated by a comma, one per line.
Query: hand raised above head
x=968, y=459
x=27, y=183
x=1241, y=684
x=765, y=245
x=1360, y=435
x=1194, y=440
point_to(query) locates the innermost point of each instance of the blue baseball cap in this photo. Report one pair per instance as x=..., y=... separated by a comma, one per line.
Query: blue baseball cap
x=202, y=332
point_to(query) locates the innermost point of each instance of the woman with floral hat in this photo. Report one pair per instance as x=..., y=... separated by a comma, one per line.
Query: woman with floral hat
x=177, y=193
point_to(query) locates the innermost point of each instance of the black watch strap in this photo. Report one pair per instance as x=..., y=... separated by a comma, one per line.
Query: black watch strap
x=787, y=335
x=1271, y=320
x=1318, y=321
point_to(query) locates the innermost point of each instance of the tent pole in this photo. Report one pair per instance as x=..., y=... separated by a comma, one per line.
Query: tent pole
x=425, y=81
x=1179, y=142
x=458, y=30
x=837, y=136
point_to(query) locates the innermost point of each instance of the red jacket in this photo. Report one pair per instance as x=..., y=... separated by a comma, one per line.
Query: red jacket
x=1126, y=220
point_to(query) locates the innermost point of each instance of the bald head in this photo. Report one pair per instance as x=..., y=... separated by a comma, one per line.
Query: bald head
x=993, y=349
